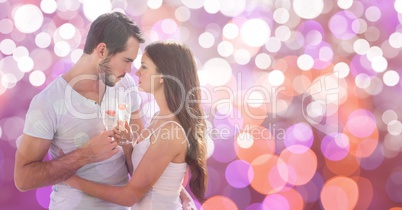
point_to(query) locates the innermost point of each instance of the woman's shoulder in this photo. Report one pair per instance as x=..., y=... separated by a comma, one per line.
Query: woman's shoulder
x=169, y=131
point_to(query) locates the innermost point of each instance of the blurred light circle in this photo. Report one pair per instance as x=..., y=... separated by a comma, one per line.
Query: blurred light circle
x=362, y=80
x=299, y=134
x=276, y=77
x=242, y=56
x=91, y=12
x=340, y=25
x=77, y=53
x=48, y=6
x=326, y=54
x=374, y=52
x=263, y=61
x=394, y=127
x=374, y=160
x=212, y=6
x=67, y=31
x=61, y=48
x=7, y=46
x=398, y=6
x=25, y=64
x=230, y=31
x=225, y=48
x=335, y=148
x=275, y=201
x=231, y=9
x=361, y=46
x=6, y=26
x=281, y=15
x=359, y=26
x=268, y=170
x=28, y=18
x=373, y=14
x=293, y=158
x=339, y=193
x=345, y=4
x=341, y=69
x=283, y=33
x=12, y=127
x=169, y=26
x=308, y=9
x=8, y=80
x=395, y=40
x=239, y=174
x=273, y=44
x=379, y=64
x=43, y=196
x=392, y=142
x=20, y=52
x=43, y=40
x=313, y=37
x=315, y=109
x=219, y=202
x=154, y=4
x=376, y=86
x=206, y=40
x=389, y=115
x=391, y=78
x=305, y=62
x=182, y=14
x=224, y=106
x=193, y=4
x=220, y=69
x=245, y=140
x=255, y=32
x=37, y=78
x=394, y=186
x=9, y=67
x=361, y=123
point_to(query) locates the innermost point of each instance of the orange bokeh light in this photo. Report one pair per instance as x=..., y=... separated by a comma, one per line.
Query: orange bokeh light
x=339, y=193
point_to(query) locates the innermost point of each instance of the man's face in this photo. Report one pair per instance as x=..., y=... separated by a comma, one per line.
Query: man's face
x=115, y=67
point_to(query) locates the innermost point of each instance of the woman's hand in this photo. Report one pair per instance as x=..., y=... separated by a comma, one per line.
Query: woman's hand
x=72, y=181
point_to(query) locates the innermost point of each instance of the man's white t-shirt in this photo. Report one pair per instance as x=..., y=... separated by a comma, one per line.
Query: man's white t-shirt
x=69, y=120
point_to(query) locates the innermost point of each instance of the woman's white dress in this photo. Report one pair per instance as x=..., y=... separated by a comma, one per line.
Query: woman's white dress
x=165, y=192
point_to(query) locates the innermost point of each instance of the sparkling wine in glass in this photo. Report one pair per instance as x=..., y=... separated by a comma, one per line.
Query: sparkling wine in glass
x=124, y=116
x=109, y=110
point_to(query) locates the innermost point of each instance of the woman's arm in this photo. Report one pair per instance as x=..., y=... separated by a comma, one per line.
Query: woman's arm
x=150, y=168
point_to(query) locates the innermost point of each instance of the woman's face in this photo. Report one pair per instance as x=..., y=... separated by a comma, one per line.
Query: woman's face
x=150, y=80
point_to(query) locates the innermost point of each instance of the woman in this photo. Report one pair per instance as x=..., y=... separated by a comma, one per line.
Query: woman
x=174, y=140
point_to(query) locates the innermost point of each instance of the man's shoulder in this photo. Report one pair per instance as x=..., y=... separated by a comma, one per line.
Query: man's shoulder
x=54, y=90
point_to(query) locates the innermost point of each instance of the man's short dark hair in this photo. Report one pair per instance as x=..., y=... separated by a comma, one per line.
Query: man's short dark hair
x=113, y=29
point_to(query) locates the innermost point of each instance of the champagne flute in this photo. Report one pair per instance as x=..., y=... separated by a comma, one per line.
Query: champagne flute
x=124, y=116
x=109, y=109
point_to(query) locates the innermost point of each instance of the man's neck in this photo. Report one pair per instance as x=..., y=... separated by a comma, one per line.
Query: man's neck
x=83, y=77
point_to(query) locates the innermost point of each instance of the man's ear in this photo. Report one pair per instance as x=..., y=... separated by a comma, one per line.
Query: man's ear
x=101, y=50
x=161, y=80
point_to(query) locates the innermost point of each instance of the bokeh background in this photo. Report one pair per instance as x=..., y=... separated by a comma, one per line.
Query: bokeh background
x=302, y=97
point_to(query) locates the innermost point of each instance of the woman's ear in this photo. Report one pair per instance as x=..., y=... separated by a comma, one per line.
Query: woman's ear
x=161, y=80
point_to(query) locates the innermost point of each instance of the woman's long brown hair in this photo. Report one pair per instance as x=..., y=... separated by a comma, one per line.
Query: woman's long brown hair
x=181, y=87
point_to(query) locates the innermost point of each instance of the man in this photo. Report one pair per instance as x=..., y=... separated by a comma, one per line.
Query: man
x=64, y=118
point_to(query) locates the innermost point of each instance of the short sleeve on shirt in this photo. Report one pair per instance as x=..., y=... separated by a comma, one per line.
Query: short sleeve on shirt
x=40, y=119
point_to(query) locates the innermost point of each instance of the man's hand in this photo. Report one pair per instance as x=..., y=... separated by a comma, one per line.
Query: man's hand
x=100, y=147
x=187, y=201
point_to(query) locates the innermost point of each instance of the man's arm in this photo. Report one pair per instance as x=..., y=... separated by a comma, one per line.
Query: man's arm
x=31, y=172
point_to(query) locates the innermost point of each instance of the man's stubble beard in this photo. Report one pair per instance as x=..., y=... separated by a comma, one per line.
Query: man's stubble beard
x=105, y=73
